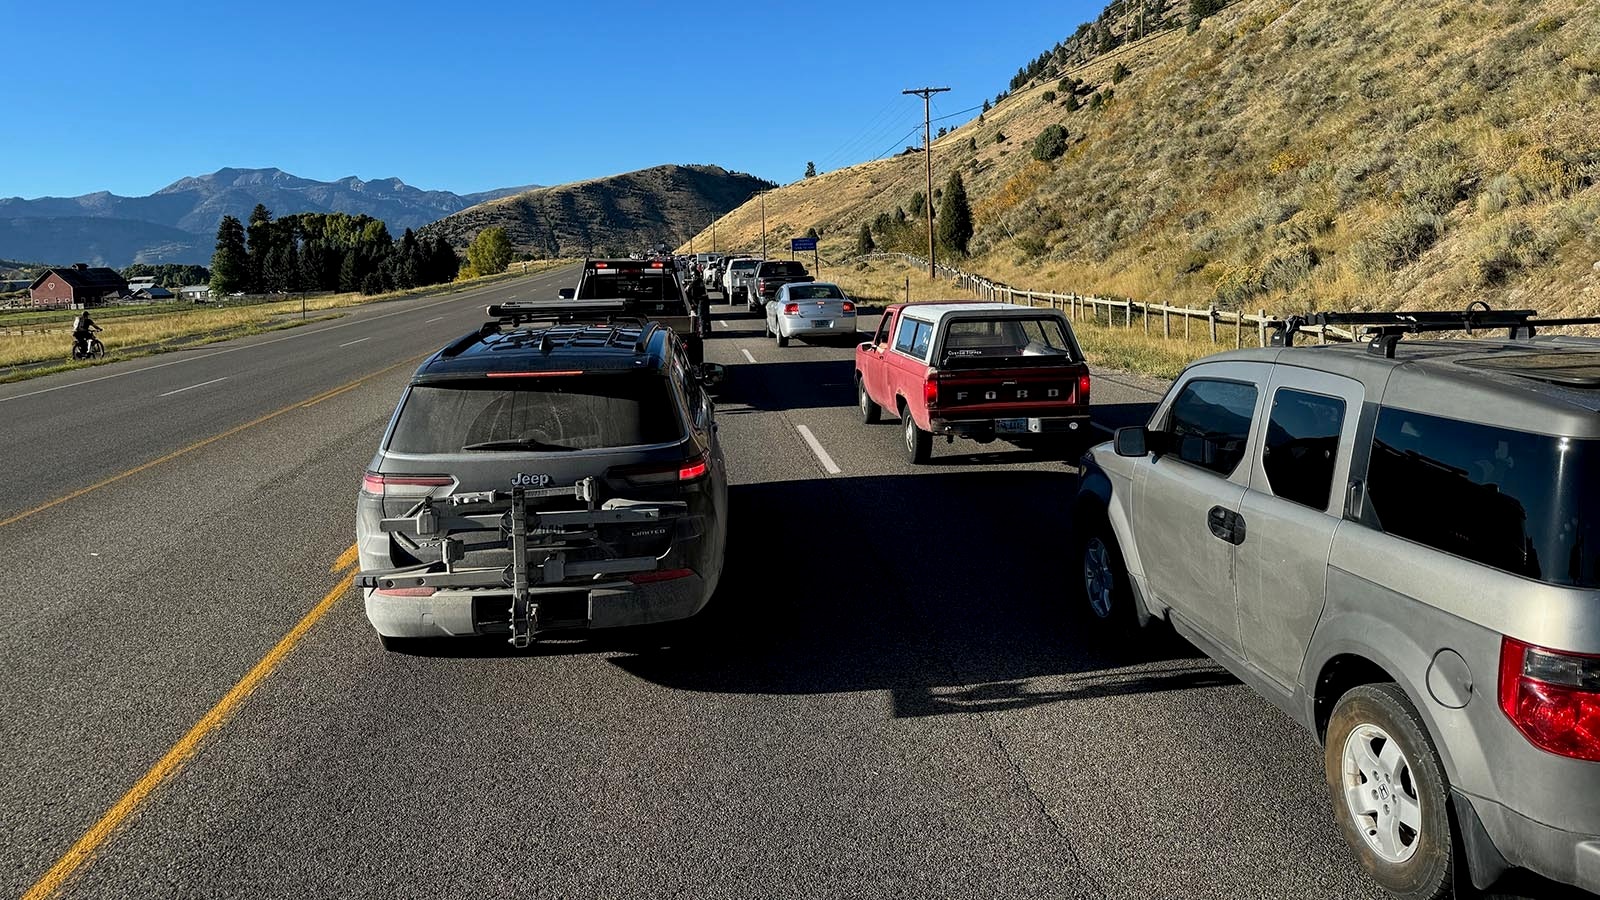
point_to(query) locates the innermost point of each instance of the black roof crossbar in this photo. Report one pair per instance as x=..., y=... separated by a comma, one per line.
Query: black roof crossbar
x=1386, y=328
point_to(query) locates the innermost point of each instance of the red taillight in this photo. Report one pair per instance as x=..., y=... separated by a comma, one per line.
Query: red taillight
x=657, y=265
x=848, y=306
x=379, y=485
x=1083, y=389
x=1553, y=698
x=930, y=391
x=761, y=284
x=660, y=575
x=791, y=309
x=661, y=473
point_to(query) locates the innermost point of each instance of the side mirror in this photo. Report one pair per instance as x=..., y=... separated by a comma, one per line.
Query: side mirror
x=567, y=293
x=1133, y=441
x=710, y=374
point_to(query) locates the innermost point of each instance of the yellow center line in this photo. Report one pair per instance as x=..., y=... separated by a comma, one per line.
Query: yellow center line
x=84, y=850
x=205, y=442
x=345, y=560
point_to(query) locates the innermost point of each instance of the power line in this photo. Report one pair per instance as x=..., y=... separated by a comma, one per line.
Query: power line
x=902, y=137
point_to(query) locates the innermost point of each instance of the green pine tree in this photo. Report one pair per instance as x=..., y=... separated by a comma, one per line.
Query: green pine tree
x=955, y=216
x=230, y=264
x=864, y=244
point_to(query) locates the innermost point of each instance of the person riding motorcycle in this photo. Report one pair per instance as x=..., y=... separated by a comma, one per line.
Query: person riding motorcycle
x=82, y=328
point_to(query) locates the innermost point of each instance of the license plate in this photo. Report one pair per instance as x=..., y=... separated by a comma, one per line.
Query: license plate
x=821, y=323
x=1011, y=426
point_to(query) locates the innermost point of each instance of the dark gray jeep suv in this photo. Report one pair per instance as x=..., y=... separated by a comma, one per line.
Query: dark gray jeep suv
x=557, y=468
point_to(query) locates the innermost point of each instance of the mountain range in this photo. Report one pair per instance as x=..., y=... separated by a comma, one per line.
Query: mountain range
x=607, y=216
x=178, y=223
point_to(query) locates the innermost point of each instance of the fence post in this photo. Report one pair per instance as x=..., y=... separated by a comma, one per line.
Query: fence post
x=1261, y=326
x=1186, y=318
x=1127, y=315
x=1238, y=329
x=1166, y=321
x=1145, y=310
x=1212, y=315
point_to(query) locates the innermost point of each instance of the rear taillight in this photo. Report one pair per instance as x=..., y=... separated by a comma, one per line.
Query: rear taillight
x=1083, y=389
x=660, y=575
x=847, y=306
x=930, y=391
x=661, y=473
x=379, y=485
x=791, y=309
x=1552, y=697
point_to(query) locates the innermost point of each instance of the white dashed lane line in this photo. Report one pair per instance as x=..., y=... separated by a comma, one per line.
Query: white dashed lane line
x=354, y=342
x=433, y=320
x=816, y=447
x=193, y=386
x=747, y=354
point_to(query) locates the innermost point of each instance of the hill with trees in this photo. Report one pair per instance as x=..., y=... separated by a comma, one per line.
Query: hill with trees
x=1263, y=154
x=606, y=216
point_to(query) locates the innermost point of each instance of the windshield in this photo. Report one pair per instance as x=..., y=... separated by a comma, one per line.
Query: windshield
x=814, y=292
x=1007, y=337
x=550, y=414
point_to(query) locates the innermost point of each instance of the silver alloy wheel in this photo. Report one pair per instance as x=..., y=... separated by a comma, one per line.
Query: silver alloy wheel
x=861, y=397
x=1098, y=578
x=1380, y=794
x=910, y=430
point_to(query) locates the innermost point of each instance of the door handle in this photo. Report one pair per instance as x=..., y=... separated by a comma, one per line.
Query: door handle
x=1226, y=524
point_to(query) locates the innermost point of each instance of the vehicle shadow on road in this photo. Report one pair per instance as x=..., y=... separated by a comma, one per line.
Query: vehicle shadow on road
x=948, y=590
x=808, y=384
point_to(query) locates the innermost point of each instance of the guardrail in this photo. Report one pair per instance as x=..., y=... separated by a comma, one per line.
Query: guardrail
x=1113, y=312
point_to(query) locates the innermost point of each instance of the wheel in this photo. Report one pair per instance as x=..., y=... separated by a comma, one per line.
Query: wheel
x=918, y=443
x=783, y=340
x=96, y=349
x=1389, y=792
x=870, y=411
x=1103, y=576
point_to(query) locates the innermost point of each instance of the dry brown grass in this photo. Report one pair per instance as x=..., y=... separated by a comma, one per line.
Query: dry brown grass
x=1368, y=154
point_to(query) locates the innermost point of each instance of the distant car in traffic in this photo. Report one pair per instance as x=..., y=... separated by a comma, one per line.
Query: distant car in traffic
x=558, y=468
x=810, y=310
x=736, y=278
x=770, y=275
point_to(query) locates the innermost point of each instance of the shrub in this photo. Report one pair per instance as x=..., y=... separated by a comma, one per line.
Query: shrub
x=1050, y=144
x=1398, y=240
x=1071, y=103
x=999, y=137
x=1119, y=73
x=1048, y=96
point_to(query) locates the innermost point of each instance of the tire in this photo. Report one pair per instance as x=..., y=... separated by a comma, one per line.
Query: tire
x=782, y=340
x=871, y=412
x=96, y=349
x=918, y=444
x=1102, y=577
x=1405, y=841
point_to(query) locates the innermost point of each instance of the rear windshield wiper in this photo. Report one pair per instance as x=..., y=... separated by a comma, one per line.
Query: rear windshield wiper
x=521, y=444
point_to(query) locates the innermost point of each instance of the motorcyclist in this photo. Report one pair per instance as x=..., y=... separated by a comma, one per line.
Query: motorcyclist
x=701, y=300
x=82, y=328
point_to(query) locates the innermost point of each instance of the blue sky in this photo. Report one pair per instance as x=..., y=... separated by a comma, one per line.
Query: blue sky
x=467, y=97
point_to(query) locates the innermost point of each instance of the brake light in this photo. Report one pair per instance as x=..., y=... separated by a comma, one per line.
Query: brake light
x=1552, y=697
x=380, y=485
x=661, y=473
x=656, y=265
x=791, y=309
x=601, y=265
x=930, y=390
x=1083, y=389
x=660, y=575
x=847, y=306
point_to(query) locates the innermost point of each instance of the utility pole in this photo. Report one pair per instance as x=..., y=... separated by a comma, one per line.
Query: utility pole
x=713, y=237
x=763, y=224
x=927, y=150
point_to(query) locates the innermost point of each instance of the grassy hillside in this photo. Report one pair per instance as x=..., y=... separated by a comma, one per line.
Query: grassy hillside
x=615, y=215
x=1367, y=154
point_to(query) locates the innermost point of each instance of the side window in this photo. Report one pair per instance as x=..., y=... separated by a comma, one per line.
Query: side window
x=1302, y=445
x=882, y=336
x=1210, y=423
x=919, y=344
x=904, y=334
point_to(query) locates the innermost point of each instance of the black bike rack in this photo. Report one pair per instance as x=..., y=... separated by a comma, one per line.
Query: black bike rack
x=1387, y=328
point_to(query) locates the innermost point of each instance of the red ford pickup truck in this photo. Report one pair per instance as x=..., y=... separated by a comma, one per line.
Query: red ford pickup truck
x=983, y=371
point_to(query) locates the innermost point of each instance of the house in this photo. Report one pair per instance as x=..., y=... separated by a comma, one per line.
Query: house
x=195, y=293
x=154, y=293
x=79, y=285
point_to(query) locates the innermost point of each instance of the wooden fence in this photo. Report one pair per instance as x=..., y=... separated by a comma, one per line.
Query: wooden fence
x=1220, y=325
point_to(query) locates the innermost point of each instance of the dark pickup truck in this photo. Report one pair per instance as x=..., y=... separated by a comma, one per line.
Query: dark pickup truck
x=984, y=371
x=771, y=275
x=652, y=292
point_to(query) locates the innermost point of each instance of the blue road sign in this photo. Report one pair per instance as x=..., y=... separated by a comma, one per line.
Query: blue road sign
x=802, y=243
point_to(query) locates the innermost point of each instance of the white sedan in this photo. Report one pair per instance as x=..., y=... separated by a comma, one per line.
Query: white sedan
x=810, y=309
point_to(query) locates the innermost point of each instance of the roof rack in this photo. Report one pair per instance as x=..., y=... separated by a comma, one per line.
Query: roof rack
x=1386, y=328
x=607, y=312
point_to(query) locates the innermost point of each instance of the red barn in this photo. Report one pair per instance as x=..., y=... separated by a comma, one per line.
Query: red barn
x=80, y=285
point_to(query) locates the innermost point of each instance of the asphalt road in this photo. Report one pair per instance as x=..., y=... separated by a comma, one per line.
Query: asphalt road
x=887, y=698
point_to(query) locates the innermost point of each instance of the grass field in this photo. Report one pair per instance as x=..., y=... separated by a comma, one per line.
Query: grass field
x=140, y=330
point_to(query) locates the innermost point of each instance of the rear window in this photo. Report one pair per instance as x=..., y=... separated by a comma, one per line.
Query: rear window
x=782, y=267
x=554, y=414
x=649, y=291
x=1525, y=503
x=745, y=265
x=1007, y=337
x=814, y=292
